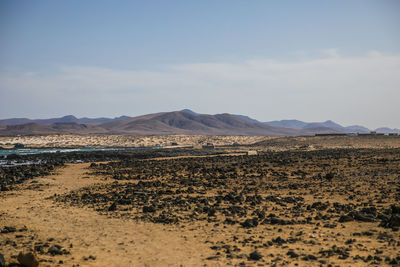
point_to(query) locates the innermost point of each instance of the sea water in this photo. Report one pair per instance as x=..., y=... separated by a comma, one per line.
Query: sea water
x=29, y=151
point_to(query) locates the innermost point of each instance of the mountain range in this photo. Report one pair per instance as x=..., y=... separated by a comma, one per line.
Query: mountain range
x=177, y=122
x=65, y=119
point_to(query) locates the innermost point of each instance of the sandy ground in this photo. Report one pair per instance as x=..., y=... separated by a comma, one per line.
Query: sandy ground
x=128, y=140
x=85, y=233
x=262, y=143
x=101, y=239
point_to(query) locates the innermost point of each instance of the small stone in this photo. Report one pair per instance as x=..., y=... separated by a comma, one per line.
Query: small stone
x=363, y=217
x=255, y=256
x=249, y=223
x=395, y=209
x=394, y=221
x=8, y=229
x=346, y=218
x=55, y=250
x=309, y=257
x=292, y=254
x=2, y=261
x=329, y=176
x=148, y=209
x=113, y=207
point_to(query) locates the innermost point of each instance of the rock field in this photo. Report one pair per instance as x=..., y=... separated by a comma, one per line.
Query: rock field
x=295, y=207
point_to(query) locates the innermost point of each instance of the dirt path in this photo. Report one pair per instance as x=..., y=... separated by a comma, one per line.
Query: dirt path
x=85, y=233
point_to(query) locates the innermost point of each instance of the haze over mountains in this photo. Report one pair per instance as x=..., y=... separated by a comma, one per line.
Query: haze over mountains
x=65, y=119
x=176, y=122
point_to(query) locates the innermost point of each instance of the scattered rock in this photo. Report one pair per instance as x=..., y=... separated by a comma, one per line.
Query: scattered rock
x=148, y=209
x=255, y=256
x=249, y=223
x=292, y=254
x=393, y=222
x=346, y=218
x=329, y=176
x=57, y=250
x=2, y=261
x=113, y=207
x=8, y=229
x=309, y=257
x=395, y=209
x=363, y=217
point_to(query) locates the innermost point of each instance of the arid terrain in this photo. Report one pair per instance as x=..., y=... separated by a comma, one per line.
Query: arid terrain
x=69, y=140
x=301, y=201
x=274, y=143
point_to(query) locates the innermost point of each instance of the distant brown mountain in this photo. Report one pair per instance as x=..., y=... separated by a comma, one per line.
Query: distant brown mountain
x=295, y=124
x=182, y=122
x=54, y=128
x=176, y=122
x=65, y=119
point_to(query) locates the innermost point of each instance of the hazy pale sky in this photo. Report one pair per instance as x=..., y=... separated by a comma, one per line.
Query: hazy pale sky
x=271, y=60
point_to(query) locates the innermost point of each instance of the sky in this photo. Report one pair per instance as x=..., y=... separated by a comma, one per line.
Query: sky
x=270, y=60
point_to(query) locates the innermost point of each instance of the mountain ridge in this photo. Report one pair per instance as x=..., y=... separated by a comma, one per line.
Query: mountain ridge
x=64, y=119
x=184, y=121
x=296, y=124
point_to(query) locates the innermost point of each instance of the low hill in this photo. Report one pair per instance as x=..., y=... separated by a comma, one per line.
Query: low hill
x=301, y=125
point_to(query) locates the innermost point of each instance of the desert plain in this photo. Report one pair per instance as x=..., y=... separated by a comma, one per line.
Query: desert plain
x=169, y=201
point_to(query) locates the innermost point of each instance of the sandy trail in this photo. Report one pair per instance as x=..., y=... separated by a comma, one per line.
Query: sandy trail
x=112, y=241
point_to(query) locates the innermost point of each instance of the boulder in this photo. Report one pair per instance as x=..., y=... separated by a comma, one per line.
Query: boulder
x=28, y=259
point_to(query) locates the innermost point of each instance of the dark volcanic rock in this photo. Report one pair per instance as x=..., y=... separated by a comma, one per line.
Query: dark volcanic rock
x=28, y=259
x=329, y=176
x=320, y=206
x=363, y=217
x=275, y=220
x=395, y=209
x=8, y=229
x=2, y=261
x=292, y=254
x=392, y=222
x=255, y=256
x=309, y=257
x=11, y=176
x=346, y=218
x=357, y=216
x=113, y=207
x=57, y=250
x=149, y=209
x=249, y=223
